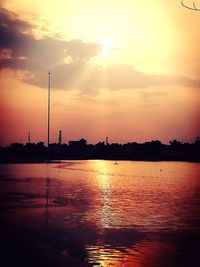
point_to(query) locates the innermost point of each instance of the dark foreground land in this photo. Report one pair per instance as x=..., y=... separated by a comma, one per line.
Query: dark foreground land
x=149, y=151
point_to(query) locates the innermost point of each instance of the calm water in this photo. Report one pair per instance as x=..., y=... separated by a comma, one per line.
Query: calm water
x=126, y=214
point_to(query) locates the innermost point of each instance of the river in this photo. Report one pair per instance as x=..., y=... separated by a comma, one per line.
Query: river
x=107, y=213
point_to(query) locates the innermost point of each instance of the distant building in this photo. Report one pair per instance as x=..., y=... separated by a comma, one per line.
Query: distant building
x=81, y=142
x=78, y=148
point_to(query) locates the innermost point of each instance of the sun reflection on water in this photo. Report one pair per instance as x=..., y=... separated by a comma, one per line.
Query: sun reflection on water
x=105, y=187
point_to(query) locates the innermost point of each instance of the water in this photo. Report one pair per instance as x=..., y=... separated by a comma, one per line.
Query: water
x=127, y=214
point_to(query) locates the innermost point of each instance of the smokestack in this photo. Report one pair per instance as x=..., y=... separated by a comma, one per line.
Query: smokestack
x=60, y=137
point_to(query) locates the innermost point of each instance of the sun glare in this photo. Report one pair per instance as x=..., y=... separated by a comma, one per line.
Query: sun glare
x=107, y=48
x=108, y=53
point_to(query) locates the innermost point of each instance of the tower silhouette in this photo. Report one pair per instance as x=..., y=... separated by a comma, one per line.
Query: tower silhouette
x=60, y=137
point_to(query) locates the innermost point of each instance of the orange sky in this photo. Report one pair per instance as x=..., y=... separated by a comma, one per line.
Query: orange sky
x=126, y=69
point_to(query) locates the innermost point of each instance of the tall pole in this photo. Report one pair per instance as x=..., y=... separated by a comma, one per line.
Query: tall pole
x=49, y=102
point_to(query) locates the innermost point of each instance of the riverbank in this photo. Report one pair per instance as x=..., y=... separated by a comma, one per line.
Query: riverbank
x=51, y=161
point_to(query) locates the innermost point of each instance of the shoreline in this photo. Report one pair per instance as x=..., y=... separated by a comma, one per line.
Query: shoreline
x=51, y=161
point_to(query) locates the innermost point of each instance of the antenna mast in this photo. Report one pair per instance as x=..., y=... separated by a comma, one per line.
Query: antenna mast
x=49, y=98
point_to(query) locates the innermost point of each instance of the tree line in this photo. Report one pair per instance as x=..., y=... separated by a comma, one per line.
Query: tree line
x=151, y=151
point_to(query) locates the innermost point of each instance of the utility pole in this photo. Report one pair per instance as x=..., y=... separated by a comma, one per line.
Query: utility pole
x=49, y=102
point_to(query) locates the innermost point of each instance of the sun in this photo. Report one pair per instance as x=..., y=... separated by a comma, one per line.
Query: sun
x=108, y=53
x=107, y=49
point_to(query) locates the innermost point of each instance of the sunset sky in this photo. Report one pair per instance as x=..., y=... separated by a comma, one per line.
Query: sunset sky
x=126, y=69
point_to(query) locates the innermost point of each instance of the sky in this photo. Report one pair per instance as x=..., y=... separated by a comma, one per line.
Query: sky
x=126, y=69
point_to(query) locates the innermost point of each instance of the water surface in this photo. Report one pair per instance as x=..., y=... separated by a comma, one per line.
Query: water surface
x=106, y=214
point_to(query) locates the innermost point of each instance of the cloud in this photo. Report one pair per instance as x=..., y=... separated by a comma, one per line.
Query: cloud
x=20, y=50
x=69, y=61
x=119, y=76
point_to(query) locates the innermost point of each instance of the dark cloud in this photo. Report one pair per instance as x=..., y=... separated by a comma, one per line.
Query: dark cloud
x=12, y=31
x=37, y=56
x=69, y=61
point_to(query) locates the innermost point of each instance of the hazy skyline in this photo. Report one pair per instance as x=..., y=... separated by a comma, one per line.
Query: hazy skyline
x=127, y=69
